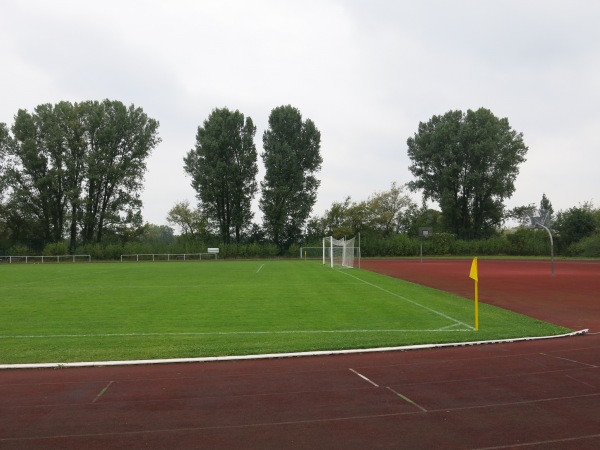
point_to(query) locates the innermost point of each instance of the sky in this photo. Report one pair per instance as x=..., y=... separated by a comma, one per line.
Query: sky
x=366, y=72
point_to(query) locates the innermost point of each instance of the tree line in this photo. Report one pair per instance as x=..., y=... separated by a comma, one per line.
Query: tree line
x=223, y=169
x=71, y=176
x=73, y=171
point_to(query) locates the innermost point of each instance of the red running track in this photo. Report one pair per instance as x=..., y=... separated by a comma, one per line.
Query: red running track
x=533, y=394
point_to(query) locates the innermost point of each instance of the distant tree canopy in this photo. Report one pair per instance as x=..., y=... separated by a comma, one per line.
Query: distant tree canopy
x=4, y=149
x=192, y=222
x=576, y=223
x=223, y=169
x=546, y=205
x=76, y=170
x=467, y=163
x=71, y=176
x=384, y=214
x=292, y=158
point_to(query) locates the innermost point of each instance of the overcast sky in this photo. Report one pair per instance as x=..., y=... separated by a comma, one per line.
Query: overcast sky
x=365, y=71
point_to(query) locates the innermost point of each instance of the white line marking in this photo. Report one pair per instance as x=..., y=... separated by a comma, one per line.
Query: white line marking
x=277, y=355
x=570, y=360
x=579, y=381
x=261, y=266
x=412, y=301
x=102, y=392
x=268, y=424
x=450, y=326
x=537, y=443
x=216, y=333
x=405, y=398
x=364, y=378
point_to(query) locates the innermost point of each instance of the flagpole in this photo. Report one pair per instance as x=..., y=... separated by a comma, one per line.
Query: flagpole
x=474, y=275
x=476, y=305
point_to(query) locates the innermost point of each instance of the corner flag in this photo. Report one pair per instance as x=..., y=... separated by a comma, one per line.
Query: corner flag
x=475, y=276
x=473, y=273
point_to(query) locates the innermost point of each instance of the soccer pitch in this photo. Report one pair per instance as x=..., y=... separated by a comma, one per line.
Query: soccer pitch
x=132, y=311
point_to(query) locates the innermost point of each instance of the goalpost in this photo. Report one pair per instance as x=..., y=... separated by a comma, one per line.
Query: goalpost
x=341, y=252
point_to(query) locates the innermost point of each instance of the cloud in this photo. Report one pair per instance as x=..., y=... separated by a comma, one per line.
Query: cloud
x=366, y=72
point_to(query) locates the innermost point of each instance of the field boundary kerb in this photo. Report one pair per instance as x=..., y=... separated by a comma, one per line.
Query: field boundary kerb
x=279, y=355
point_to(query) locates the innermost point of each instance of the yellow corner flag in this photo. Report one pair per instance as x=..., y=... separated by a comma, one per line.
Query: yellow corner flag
x=473, y=273
x=475, y=276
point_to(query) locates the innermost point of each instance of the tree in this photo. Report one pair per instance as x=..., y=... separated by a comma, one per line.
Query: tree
x=120, y=139
x=192, y=222
x=70, y=120
x=289, y=190
x=78, y=167
x=37, y=180
x=223, y=169
x=424, y=217
x=575, y=224
x=546, y=205
x=390, y=211
x=158, y=236
x=522, y=214
x=345, y=218
x=467, y=163
x=5, y=141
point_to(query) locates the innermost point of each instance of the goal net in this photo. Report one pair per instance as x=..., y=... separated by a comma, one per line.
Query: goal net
x=340, y=252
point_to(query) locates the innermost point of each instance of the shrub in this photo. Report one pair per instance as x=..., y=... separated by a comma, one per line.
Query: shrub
x=56, y=249
x=441, y=243
x=588, y=247
x=20, y=250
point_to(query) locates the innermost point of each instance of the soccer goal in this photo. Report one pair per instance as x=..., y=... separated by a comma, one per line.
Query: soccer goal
x=341, y=253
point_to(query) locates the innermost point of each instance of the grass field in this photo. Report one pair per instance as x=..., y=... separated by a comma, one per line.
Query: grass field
x=119, y=311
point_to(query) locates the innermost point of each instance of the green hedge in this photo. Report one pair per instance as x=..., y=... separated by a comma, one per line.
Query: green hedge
x=521, y=242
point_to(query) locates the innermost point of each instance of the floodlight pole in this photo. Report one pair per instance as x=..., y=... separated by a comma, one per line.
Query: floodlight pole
x=551, y=245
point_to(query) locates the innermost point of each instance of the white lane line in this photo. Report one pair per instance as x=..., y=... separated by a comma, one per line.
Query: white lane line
x=570, y=360
x=579, y=381
x=546, y=444
x=364, y=378
x=102, y=392
x=406, y=399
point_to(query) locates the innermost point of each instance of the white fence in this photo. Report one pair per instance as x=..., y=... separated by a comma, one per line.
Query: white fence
x=136, y=257
x=26, y=259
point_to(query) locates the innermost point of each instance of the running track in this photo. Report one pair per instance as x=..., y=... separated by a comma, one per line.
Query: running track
x=533, y=394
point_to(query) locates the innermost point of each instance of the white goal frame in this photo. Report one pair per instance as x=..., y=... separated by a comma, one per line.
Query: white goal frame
x=347, y=251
